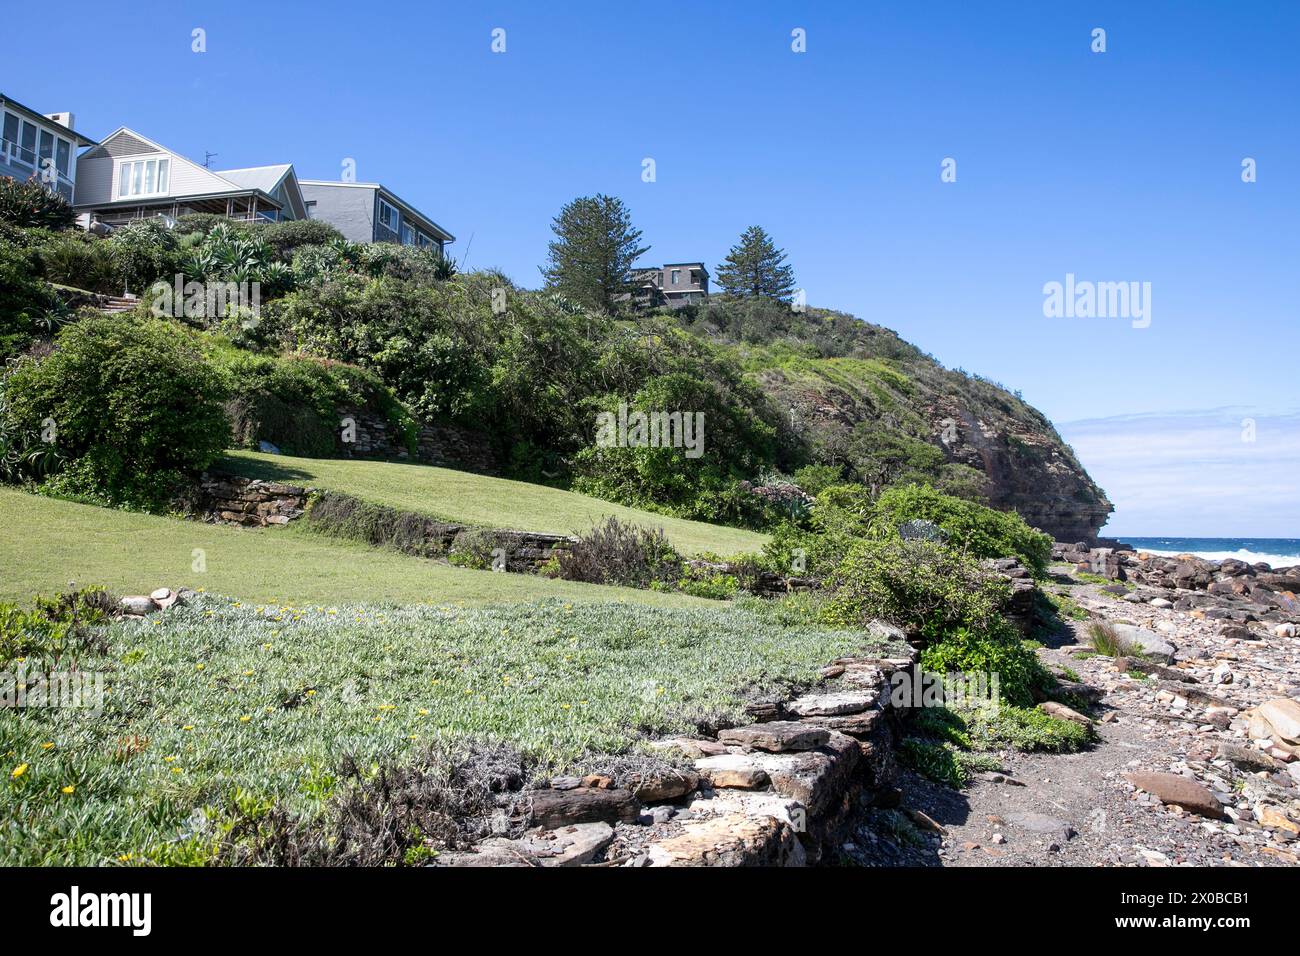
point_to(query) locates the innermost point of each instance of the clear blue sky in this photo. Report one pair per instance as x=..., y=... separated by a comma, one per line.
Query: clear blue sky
x=1116, y=166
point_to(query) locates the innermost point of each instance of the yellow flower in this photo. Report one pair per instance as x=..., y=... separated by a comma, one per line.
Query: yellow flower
x=564, y=707
x=188, y=727
x=199, y=667
x=248, y=673
x=68, y=789
x=312, y=692
x=46, y=746
x=169, y=759
x=423, y=712
x=245, y=719
x=125, y=858
x=19, y=771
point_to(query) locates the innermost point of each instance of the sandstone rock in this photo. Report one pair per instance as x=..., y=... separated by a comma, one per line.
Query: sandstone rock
x=925, y=822
x=817, y=778
x=732, y=840
x=138, y=604
x=1041, y=823
x=567, y=846
x=1148, y=642
x=552, y=809
x=1064, y=713
x=1179, y=791
x=776, y=736
x=1283, y=715
x=689, y=746
x=667, y=784
x=1244, y=757
x=732, y=771
x=1275, y=819
x=831, y=705
x=1161, y=603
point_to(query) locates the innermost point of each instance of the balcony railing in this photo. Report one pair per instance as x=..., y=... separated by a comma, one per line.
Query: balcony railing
x=15, y=155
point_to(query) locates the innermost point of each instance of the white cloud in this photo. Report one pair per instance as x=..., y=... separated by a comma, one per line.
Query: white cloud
x=1196, y=473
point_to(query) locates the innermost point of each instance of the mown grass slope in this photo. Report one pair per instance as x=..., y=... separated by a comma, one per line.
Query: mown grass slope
x=464, y=497
x=212, y=705
x=46, y=543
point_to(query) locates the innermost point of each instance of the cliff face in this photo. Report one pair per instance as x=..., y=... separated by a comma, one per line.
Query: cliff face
x=857, y=395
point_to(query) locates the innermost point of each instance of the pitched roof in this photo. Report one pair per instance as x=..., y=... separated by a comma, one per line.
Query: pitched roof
x=265, y=178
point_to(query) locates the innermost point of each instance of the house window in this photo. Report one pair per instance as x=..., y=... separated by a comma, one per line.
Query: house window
x=407, y=235
x=62, y=158
x=10, y=133
x=143, y=177
x=677, y=274
x=27, y=153
x=388, y=217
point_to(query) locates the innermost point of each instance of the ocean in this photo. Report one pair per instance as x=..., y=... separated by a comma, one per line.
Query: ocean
x=1278, y=552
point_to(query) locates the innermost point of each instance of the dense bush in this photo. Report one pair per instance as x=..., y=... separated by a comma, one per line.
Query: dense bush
x=922, y=587
x=980, y=531
x=24, y=300
x=30, y=205
x=943, y=596
x=69, y=624
x=285, y=237
x=615, y=553
x=136, y=407
x=144, y=251
x=296, y=402
x=80, y=260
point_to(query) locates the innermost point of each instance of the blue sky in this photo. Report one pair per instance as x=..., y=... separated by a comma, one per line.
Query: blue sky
x=1115, y=166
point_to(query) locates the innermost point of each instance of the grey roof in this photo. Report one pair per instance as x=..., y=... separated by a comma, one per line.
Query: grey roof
x=265, y=178
x=41, y=117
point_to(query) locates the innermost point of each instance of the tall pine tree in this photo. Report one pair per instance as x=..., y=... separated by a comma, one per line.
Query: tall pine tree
x=756, y=267
x=590, y=259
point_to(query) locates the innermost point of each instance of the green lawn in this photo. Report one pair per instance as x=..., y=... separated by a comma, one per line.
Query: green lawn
x=214, y=703
x=460, y=496
x=45, y=544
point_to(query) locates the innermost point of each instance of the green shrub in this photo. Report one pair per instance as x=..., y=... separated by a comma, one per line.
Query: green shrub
x=924, y=588
x=30, y=205
x=1026, y=729
x=616, y=553
x=55, y=627
x=285, y=237
x=135, y=405
x=980, y=531
x=144, y=251
x=24, y=300
x=814, y=479
x=79, y=260
x=996, y=649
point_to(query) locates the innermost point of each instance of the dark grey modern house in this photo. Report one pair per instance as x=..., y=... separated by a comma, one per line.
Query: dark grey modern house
x=674, y=284
x=40, y=145
x=367, y=212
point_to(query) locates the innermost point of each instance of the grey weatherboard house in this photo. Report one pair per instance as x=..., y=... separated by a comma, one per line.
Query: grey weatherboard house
x=367, y=212
x=39, y=145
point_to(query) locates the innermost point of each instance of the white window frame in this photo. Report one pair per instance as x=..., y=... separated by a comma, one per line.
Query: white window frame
x=396, y=217
x=133, y=171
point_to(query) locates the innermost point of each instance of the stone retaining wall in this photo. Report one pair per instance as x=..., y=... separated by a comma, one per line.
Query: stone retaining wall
x=780, y=792
x=436, y=443
x=231, y=499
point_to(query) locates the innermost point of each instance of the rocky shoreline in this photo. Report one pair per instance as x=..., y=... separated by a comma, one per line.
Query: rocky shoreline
x=1198, y=758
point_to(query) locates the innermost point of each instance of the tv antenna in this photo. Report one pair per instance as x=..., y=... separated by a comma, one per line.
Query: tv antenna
x=207, y=159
